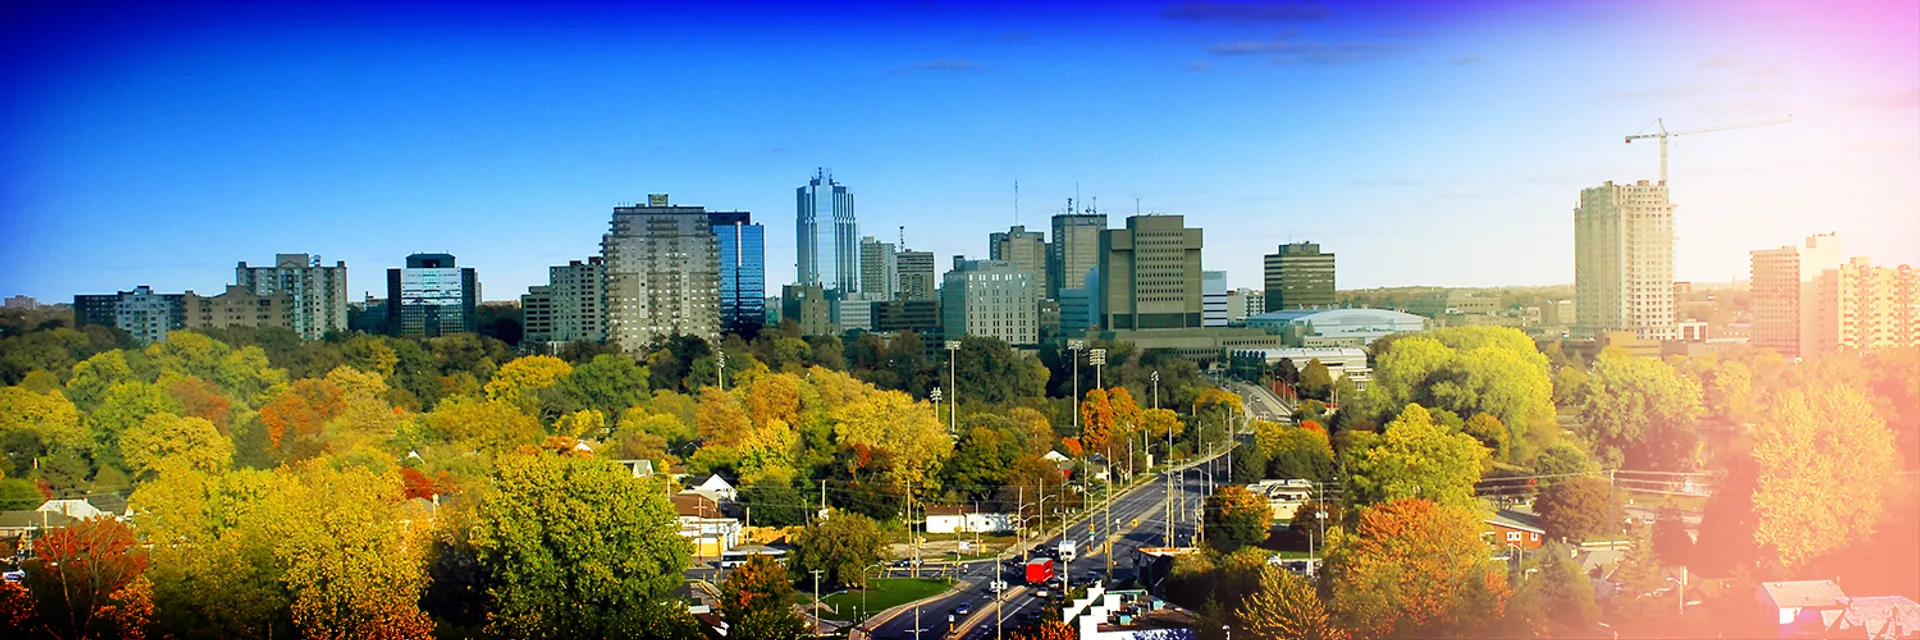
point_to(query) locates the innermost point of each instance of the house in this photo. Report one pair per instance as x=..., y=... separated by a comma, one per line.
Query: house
x=967, y=520
x=1801, y=606
x=1127, y=615
x=1599, y=565
x=1876, y=618
x=717, y=488
x=1514, y=529
x=640, y=468
x=702, y=522
x=1284, y=497
x=1055, y=457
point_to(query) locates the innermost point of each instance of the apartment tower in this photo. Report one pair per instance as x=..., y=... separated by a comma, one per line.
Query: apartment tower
x=1623, y=261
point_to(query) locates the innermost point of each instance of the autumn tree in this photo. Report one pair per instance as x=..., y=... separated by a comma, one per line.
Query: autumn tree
x=1413, y=568
x=46, y=419
x=1047, y=630
x=480, y=425
x=842, y=547
x=1236, y=517
x=76, y=574
x=163, y=436
x=915, y=444
x=1639, y=413
x=350, y=550
x=1465, y=370
x=757, y=601
x=1316, y=381
x=126, y=404
x=296, y=418
x=1576, y=508
x=1096, y=421
x=580, y=548
x=519, y=382
x=1415, y=458
x=1286, y=607
x=1826, y=464
x=1491, y=434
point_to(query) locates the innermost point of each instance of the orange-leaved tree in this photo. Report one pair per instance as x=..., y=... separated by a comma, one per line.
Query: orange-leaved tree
x=78, y=576
x=1413, y=568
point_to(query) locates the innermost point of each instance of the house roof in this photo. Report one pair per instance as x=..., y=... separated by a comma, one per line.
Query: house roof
x=1516, y=520
x=34, y=519
x=714, y=483
x=1803, y=593
x=1880, y=616
x=695, y=505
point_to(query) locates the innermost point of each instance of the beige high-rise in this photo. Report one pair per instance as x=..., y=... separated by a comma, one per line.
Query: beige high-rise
x=1623, y=260
x=1785, y=307
x=662, y=274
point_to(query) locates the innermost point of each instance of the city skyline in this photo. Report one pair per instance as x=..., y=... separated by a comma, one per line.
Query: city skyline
x=1393, y=136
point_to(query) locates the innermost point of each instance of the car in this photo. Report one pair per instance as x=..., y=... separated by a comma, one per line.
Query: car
x=1041, y=594
x=963, y=608
x=996, y=586
x=903, y=562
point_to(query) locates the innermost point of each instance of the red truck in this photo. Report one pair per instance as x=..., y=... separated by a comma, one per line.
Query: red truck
x=1039, y=570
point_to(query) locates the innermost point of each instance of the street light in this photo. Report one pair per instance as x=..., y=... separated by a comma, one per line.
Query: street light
x=864, y=613
x=1075, y=346
x=1098, y=358
x=953, y=412
x=935, y=397
x=722, y=358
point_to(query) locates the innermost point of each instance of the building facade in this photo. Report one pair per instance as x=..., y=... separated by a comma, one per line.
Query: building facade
x=916, y=276
x=1027, y=250
x=742, y=250
x=1150, y=275
x=879, y=268
x=1244, y=302
x=990, y=298
x=854, y=311
x=571, y=307
x=1623, y=260
x=146, y=315
x=918, y=316
x=536, y=319
x=807, y=306
x=1075, y=249
x=1213, y=299
x=662, y=274
x=1299, y=276
x=317, y=293
x=1867, y=308
x=1784, y=308
x=238, y=307
x=828, y=235
x=431, y=297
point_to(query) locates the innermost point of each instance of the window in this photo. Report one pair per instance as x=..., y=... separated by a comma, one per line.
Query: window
x=1513, y=536
x=1536, y=537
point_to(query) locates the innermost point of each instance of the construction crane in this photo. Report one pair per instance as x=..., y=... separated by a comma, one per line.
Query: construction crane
x=1664, y=134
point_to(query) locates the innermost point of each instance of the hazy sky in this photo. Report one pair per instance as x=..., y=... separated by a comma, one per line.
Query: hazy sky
x=1424, y=142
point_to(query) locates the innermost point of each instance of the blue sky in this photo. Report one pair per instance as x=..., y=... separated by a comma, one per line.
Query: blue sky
x=1424, y=142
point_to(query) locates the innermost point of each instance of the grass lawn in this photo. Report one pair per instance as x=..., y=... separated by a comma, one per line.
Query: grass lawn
x=882, y=594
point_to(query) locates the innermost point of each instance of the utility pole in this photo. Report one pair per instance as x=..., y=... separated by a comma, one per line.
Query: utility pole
x=1020, y=511
x=1074, y=347
x=816, y=602
x=721, y=356
x=953, y=406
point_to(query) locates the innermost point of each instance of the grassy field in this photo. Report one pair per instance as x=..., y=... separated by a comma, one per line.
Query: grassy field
x=882, y=593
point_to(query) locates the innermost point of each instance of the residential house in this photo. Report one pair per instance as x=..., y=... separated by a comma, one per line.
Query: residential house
x=1514, y=529
x=702, y=522
x=640, y=468
x=1800, y=607
x=967, y=520
x=77, y=509
x=1284, y=497
x=717, y=488
x=1877, y=618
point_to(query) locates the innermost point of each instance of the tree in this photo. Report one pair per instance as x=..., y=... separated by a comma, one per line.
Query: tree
x=295, y=418
x=1491, y=434
x=77, y=572
x=1316, y=382
x=1249, y=465
x=757, y=601
x=1048, y=630
x=1465, y=370
x=775, y=502
x=1413, y=568
x=580, y=548
x=1236, y=518
x=351, y=552
x=1096, y=420
x=1826, y=464
x=1297, y=453
x=1670, y=539
x=842, y=547
x=47, y=418
x=1575, y=508
x=610, y=383
x=1562, y=459
x=1286, y=372
x=519, y=382
x=1286, y=607
x=1639, y=413
x=126, y=404
x=1567, y=591
x=915, y=444
x=214, y=571
x=164, y=436
x=480, y=425
x=1415, y=458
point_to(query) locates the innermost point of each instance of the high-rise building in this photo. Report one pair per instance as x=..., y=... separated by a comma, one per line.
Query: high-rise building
x=829, y=251
x=22, y=302
x=662, y=274
x=807, y=306
x=990, y=298
x=916, y=275
x=1213, y=299
x=1244, y=302
x=1027, y=250
x=1623, y=261
x=1075, y=249
x=238, y=307
x=1871, y=308
x=743, y=271
x=146, y=315
x=318, y=293
x=431, y=297
x=919, y=316
x=1783, y=308
x=571, y=307
x=1150, y=275
x=1299, y=276
x=879, y=268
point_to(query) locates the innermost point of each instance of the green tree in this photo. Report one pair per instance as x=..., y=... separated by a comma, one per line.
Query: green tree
x=610, y=383
x=1639, y=413
x=1286, y=607
x=164, y=436
x=1576, y=508
x=126, y=404
x=775, y=502
x=1670, y=539
x=1415, y=458
x=1567, y=591
x=518, y=383
x=757, y=601
x=1235, y=518
x=842, y=547
x=579, y=547
x=1826, y=464
x=1562, y=459
x=1316, y=382
x=1491, y=434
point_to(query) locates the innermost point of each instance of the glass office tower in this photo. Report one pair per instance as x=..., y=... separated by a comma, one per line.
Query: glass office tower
x=743, y=271
x=828, y=236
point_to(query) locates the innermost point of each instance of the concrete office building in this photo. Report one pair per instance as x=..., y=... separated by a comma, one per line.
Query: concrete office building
x=1027, y=250
x=1623, y=260
x=146, y=315
x=1080, y=306
x=916, y=276
x=854, y=311
x=829, y=237
x=238, y=307
x=318, y=293
x=1244, y=302
x=1299, y=276
x=662, y=274
x=741, y=246
x=431, y=297
x=1213, y=299
x=1150, y=275
x=571, y=307
x=807, y=306
x=1336, y=327
x=1075, y=249
x=990, y=298
x=879, y=268
x=21, y=302
x=1784, y=309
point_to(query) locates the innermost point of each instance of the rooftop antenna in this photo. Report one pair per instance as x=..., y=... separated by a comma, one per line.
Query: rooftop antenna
x=903, y=237
x=1095, y=207
x=1076, y=197
x=1136, y=205
x=1016, y=202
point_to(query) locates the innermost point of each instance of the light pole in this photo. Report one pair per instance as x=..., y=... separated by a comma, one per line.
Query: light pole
x=722, y=358
x=953, y=412
x=816, y=601
x=1098, y=358
x=935, y=397
x=1320, y=516
x=1074, y=347
x=864, y=613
